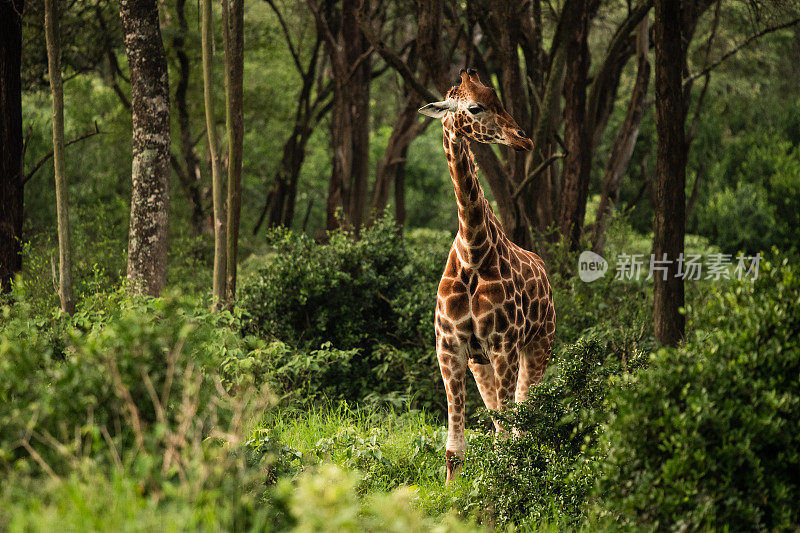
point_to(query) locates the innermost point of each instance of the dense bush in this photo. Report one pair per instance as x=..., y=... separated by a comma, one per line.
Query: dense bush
x=740, y=218
x=128, y=397
x=709, y=435
x=352, y=293
x=755, y=202
x=544, y=474
x=353, y=319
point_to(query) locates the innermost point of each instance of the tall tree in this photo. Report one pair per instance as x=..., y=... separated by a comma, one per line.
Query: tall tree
x=349, y=55
x=147, y=243
x=62, y=199
x=391, y=166
x=233, y=20
x=313, y=102
x=217, y=191
x=622, y=149
x=577, y=163
x=406, y=126
x=11, y=165
x=669, y=225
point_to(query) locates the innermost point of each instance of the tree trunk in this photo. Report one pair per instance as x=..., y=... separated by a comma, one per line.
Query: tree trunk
x=400, y=193
x=577, y=163
x=506, y=18
x=698, y=178
x=234, y=55
x=622, y=149
x=218, y=193
x=147, y=244
x=406, y=129
x=11, y=164
x=670, y=197
x=357, y=92
x=280, y=204
x=348, y=51
x=540, y=192
x=606, y=82
x=62, y=197
x=190, y=175
x=341, y=134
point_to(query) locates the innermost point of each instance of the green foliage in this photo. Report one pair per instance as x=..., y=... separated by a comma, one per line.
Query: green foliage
x=387, y=448
x=708, y=435
x=544, y=474
x=122, y=401
x=354, y=317
x=758, y=201
x=326, y=500
x=740, y=218
x=342, y=292
x=116, y=372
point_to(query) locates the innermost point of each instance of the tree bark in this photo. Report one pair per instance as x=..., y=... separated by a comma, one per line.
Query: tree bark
x=282, y=197
x=341, y=134
x=400, y=193
x=189, y=174
x=604, y=87
x=348, y=51
x=234, y=71
x=504, y=29
x=406, y=129
x=622, y=150
x=11, y=164
x=540, y=192
x=218, y=193
x=147, y=243
x=358, y=89
x=577, y=163
x=698, y=178
x=62, y=197
x=669, y=226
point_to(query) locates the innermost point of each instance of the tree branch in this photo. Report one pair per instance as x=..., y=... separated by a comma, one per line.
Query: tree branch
x=538, y=170
x=44, y=160
x=287, y=36
x=736, y=49
x=396, y=62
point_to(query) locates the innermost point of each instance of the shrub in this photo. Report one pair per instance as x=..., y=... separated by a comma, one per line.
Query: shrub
x=340, y=292
x=709, y=435
x=350, y=319
x=740, y=218
x=136, y=377
x=755, y=195
x=325, y=499
x=544, y=474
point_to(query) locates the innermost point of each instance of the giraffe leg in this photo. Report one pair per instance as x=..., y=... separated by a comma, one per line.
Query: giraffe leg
x=484, y=377
x=532, y=365
x=454, y=371
x=506, y=367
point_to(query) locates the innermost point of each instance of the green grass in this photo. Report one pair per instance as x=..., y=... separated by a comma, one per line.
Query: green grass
x=94, y=501
x=386, y=448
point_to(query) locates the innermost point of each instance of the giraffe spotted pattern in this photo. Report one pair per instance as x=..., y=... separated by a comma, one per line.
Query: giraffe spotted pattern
x=494, y=308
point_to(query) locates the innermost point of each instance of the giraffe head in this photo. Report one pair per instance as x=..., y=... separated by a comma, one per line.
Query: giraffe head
x=473, y=110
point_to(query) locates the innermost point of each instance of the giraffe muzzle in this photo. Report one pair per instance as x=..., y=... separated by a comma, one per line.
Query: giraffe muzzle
x=522, y=144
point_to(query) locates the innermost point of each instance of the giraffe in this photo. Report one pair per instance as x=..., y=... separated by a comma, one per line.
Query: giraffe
x=494, y=307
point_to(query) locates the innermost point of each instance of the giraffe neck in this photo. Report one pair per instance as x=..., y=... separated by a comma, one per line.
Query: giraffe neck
x=478, y=227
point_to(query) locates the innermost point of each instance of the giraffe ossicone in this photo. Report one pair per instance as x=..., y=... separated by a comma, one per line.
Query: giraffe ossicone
x=494, y=306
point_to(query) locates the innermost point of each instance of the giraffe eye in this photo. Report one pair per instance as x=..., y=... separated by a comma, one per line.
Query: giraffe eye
x=475, y=109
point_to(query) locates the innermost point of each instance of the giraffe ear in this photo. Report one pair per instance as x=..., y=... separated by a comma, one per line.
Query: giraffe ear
x=439, y=109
